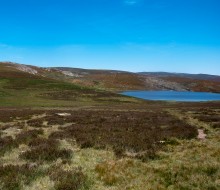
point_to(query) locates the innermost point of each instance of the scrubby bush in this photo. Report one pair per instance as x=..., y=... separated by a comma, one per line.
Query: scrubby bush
x=6, y=144
x=124, y=131
x=26, y=136
x=35, y=123
x=13, y=176
x=45, y=150
x=69, y=180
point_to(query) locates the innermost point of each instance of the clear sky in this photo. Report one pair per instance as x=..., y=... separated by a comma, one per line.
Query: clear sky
x=132, y=35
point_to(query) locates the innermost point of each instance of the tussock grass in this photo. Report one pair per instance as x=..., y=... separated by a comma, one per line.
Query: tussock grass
x=40, y=183
x=12, y=177
x=7, y=143
x=190, y=165
x=12, y=156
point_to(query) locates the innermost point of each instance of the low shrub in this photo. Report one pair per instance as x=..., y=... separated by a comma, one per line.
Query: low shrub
x=69, y=180
x=13, y=176
x=124, y=131
x=45, y=150
x=216, y=125
x=26, y=136
x=35, y=123
x=6, y=144
x=209, y=118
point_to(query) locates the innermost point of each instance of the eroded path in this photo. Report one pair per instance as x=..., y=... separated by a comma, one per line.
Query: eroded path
x=189, y=118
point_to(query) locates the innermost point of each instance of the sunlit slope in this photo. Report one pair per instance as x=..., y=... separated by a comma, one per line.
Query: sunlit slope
x=115, y=80
x=119, y=80
x=27, y=87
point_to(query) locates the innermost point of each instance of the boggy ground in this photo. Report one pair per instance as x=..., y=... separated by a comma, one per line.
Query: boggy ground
x=149, y=146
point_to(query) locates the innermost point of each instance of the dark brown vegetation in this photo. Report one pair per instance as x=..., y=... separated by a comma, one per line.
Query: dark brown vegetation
x=195, y=84
x=6, y=144
x=122, y=81
x=13, y=114
x=209, y=116
x=35, y=123
x=55, y=119
x=45, y=150
x=69, y=180
x=136, y=132
x=13, y=176
x=26, y=136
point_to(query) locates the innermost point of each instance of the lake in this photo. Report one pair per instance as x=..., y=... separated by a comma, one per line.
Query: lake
x=174, y=96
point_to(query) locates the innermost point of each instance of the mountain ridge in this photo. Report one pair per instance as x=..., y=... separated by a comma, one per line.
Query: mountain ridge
x=200, y=76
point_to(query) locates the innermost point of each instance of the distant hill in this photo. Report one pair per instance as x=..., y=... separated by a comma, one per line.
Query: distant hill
x=183, y=75
x=121, y=80
x=118, y=80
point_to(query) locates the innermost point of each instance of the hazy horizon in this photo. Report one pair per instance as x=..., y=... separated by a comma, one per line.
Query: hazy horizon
x=126, y=35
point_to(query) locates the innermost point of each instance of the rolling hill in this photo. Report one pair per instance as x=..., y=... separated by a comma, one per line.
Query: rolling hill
x=120, y=80
x=113, y=80
x=22, y=85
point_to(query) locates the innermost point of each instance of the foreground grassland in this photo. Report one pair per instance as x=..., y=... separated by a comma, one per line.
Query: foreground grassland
x=148, y=146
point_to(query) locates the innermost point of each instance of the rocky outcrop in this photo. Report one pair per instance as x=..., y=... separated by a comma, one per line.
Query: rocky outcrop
x=160, y=84
x=27, y=69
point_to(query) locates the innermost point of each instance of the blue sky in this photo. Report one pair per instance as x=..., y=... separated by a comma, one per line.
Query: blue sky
x=132, y=35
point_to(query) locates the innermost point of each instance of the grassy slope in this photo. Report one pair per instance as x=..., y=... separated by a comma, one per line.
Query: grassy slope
x=18, y=88
x=102, y=79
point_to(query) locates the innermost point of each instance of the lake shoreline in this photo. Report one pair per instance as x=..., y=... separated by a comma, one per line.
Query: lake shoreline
x=173, y=96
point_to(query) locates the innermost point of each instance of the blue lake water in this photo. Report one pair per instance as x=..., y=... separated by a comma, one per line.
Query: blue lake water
x=174, y=96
